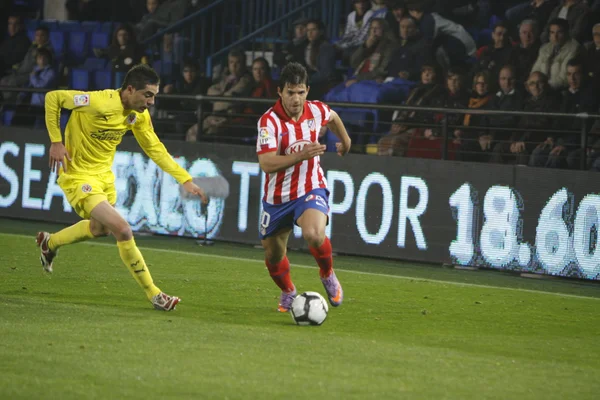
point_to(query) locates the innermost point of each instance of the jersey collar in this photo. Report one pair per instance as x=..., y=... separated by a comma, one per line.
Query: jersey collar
x=283, y=116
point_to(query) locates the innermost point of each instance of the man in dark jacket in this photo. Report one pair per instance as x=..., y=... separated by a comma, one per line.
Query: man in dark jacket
x=14, y=47
x=412, y=52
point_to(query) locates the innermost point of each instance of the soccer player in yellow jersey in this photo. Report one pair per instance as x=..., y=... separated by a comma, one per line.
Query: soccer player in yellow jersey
x=97, y=124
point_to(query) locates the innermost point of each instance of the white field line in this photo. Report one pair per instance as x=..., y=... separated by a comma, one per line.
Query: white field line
x=32, y=238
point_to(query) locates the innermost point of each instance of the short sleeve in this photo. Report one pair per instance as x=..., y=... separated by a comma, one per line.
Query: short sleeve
x=325, y=112
x=267, y=138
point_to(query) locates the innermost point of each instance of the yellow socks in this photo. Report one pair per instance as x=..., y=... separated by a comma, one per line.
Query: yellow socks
x=73, y=234
x=133, y=260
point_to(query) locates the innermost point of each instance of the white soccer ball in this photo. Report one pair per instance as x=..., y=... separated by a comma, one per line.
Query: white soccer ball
x=309, y=308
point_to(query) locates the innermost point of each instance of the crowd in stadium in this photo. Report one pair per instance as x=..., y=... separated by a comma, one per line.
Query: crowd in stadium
x=535, y=56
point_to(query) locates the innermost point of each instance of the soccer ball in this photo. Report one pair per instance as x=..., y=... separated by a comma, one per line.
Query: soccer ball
x=309, y=308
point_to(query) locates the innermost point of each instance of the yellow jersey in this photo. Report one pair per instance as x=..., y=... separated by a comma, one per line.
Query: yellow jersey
x=96, y=126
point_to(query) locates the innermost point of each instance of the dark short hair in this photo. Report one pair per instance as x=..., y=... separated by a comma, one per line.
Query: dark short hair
x=140, y=76
x=563, y=23
x=43, y=28
x=239, y=54
x=44, y=52
x=293, y=74
x=501, y=24
x=576, y=62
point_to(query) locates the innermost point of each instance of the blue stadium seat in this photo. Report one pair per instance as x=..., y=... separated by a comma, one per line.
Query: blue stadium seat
x=79, y=79
x=100, y=40
x=103, y=80
x=94, y=63
x=91, y=26
x=57, y=39
x=494, y=19
x=77, y=47
x=107, y=27
x=32, y=24
x=164, y=70
x=31, y=34
x=119, y=78
x=64, y=118
x=7, y=117
x=69, y=26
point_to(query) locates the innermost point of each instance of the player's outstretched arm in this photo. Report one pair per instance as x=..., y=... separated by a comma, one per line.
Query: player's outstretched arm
x=337, y=127
x=270, y=162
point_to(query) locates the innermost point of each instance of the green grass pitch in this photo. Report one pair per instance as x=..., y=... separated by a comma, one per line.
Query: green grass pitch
x=405, y=331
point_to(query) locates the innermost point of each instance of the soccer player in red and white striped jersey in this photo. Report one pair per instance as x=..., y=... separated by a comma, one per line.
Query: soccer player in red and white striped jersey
x=295, y=188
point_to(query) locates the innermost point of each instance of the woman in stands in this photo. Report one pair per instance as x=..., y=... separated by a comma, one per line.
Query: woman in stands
x=476, y=145
x=124, y=51
x=396, y=142
x=320, y=59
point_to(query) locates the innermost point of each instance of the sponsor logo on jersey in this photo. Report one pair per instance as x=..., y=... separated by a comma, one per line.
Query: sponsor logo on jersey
x=108, y=135
x=311, y=124
x=296, y=147
x=86, y=188
x=131, y=119
x=81, y=100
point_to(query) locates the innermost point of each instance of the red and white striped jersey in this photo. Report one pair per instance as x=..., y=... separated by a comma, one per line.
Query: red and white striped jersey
x=278, y=132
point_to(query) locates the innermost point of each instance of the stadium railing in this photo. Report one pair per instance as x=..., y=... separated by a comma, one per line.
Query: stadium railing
x=170, y=120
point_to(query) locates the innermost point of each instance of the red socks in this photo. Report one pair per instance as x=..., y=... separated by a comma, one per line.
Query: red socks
x=280, y=273
x=323, y=257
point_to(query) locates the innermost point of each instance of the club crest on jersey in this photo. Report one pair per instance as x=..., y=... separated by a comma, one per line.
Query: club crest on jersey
x=81, y=100
x=311, y=124
x=86, y=188
x=296, y=147
x=131, y=119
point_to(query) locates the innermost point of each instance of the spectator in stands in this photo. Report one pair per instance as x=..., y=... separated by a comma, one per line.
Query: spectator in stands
x=578, y=98
x=397, y=13
x=357, y=28
x=43, y=76
x=379, y=8
x=510, y=97
x=167, y=13
x=576, y=13
x=411, y=53
x=554, y=56
x=455, y=97
x=524, y=140
x=19, y=77
x=370, y=60
x=535, y=10
x=319, y=59
x=14, y=47
x=455, y=43
x=396, y=142
x=526, y=53
x=192, y=84
x=494, y=56
x=124, y=51
x=295, y=49
x=148, y=25
x=235, y=82
x=591, y=55
x=262, y=88
x=476, y=144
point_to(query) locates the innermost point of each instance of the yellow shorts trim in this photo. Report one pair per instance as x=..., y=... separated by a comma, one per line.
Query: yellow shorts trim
x=86, y=192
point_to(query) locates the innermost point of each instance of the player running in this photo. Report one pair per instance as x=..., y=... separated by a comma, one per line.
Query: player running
x=295, y=187
x=95, y=128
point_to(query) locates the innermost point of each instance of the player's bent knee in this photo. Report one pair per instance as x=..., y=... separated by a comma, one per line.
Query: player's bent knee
x=97, y=229
x=122, y=232
x=313, y=236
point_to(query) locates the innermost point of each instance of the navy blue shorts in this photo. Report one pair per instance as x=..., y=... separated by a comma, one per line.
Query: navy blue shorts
x=279, y=216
